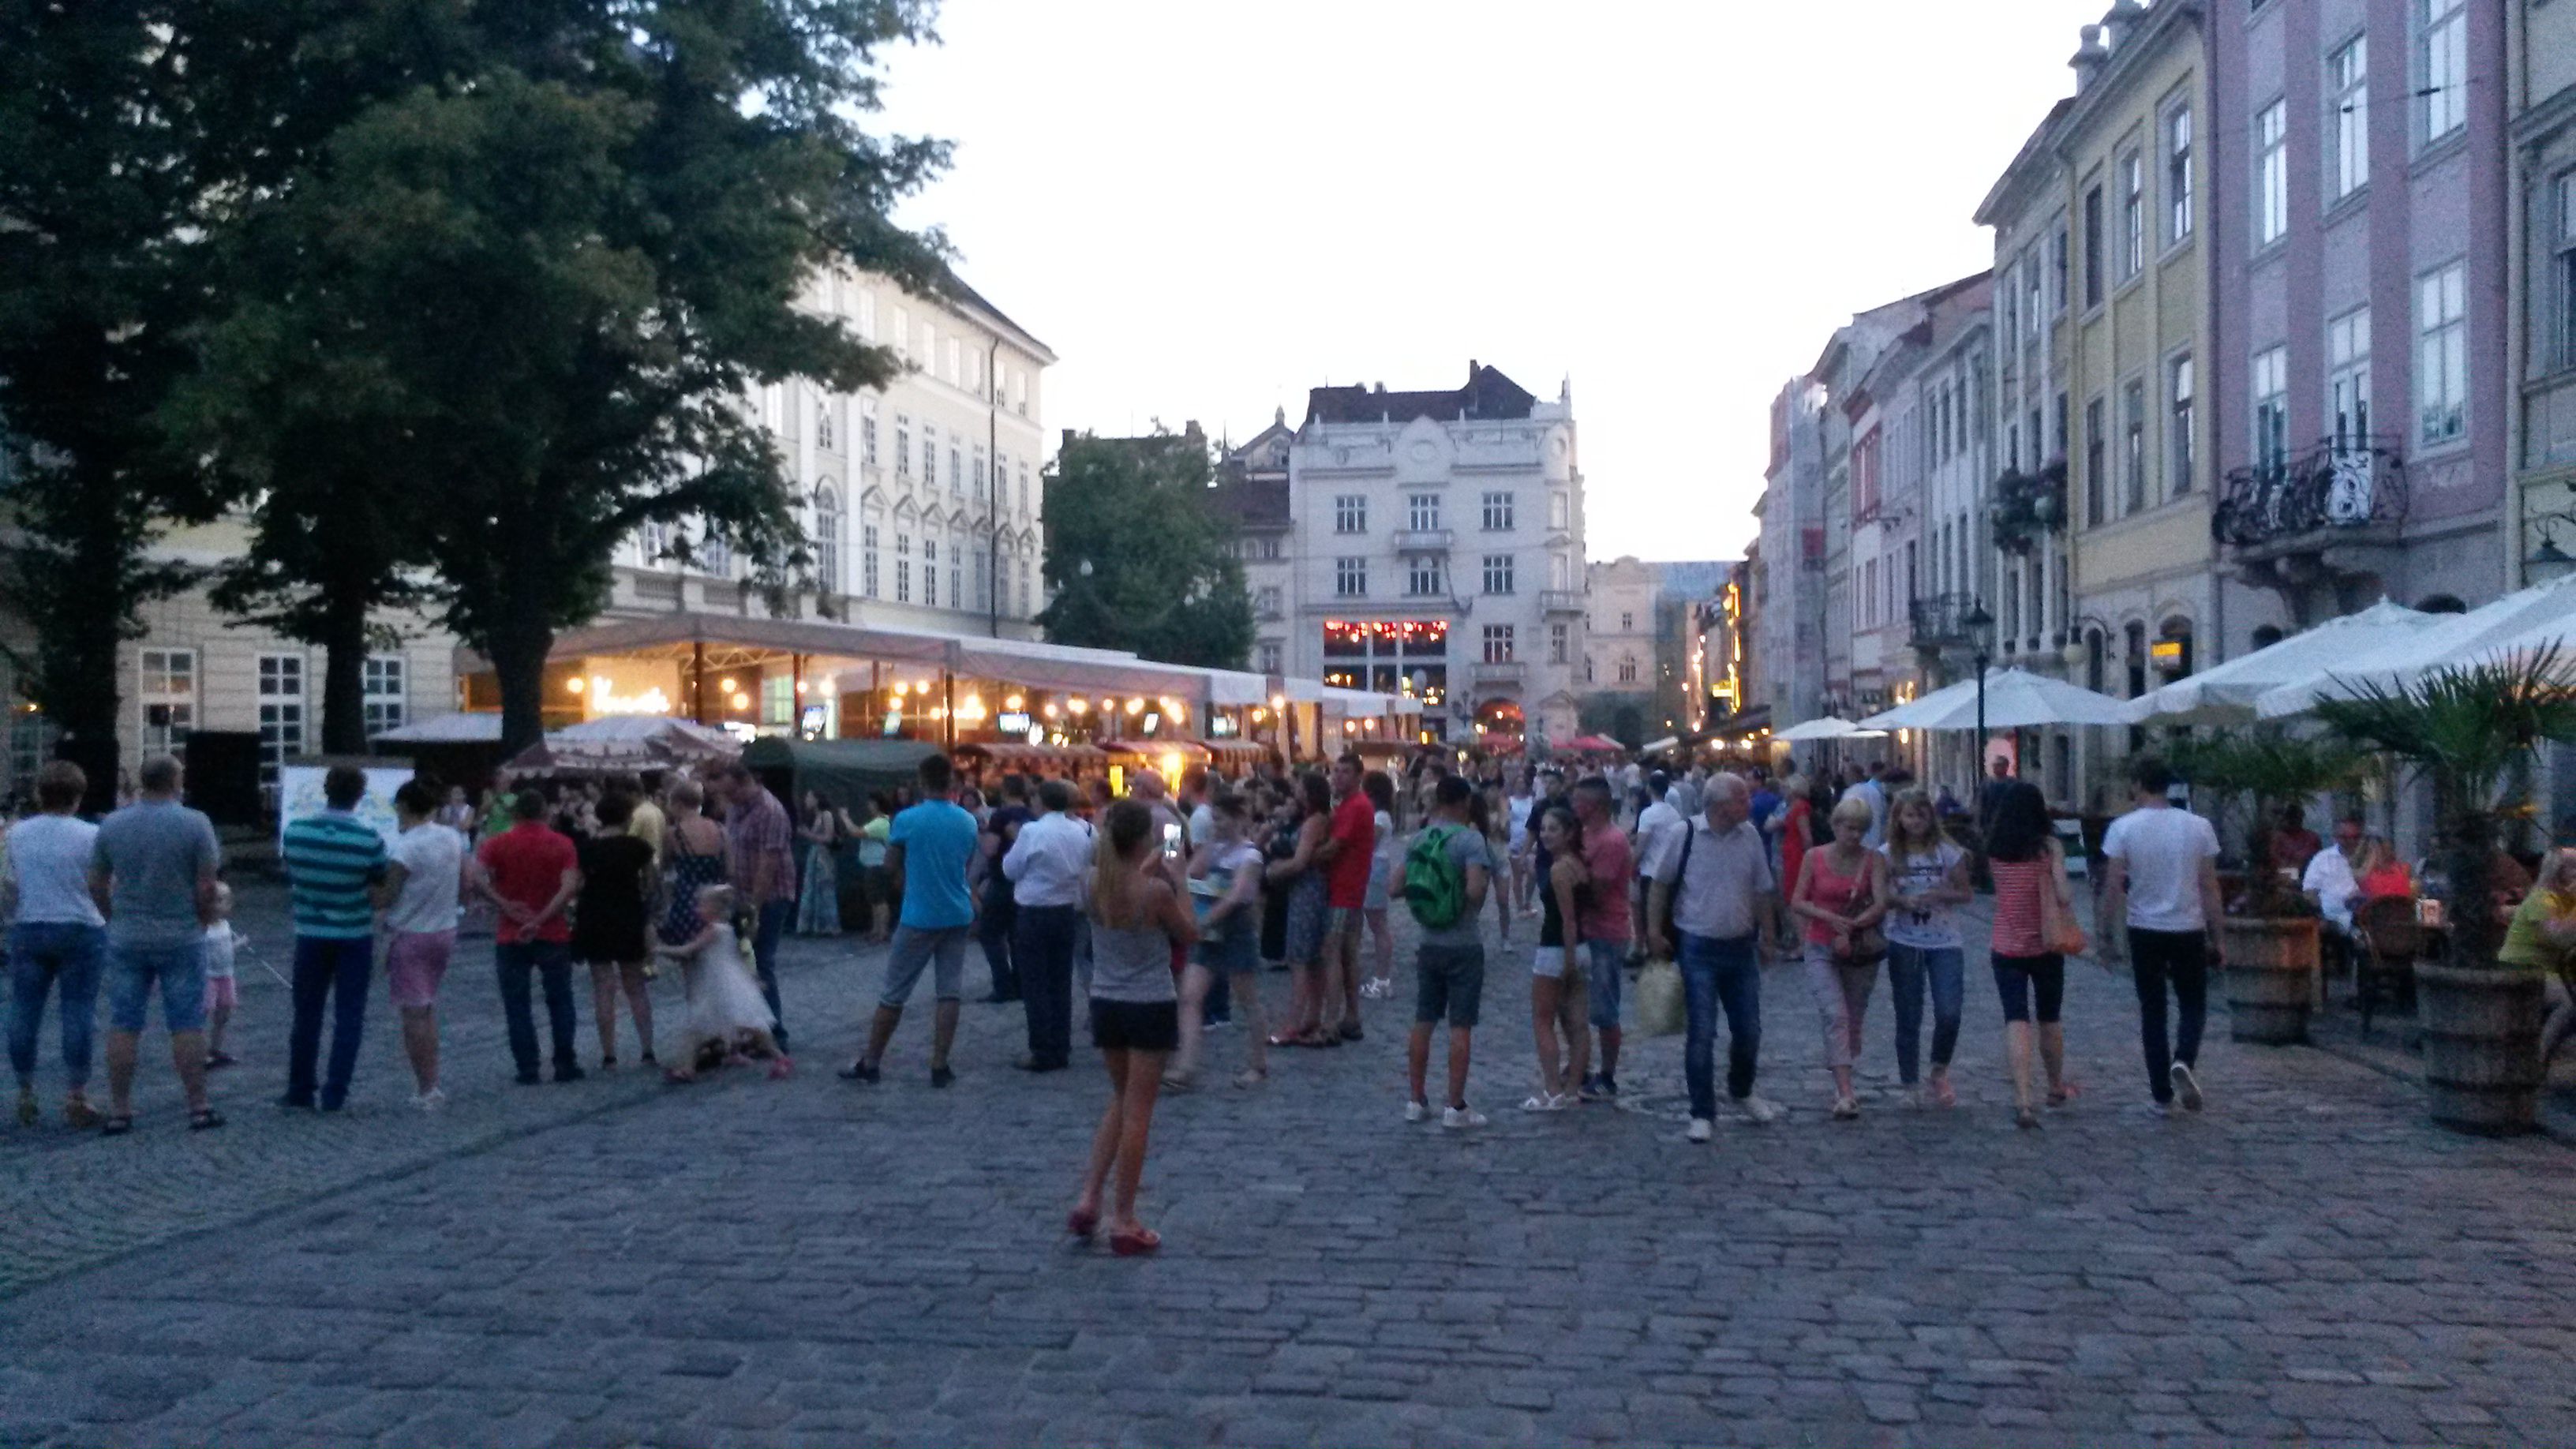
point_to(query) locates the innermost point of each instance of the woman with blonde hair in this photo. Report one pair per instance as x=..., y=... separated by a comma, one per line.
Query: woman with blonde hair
x=1138, y=915
x=1927, y=876
x=2543, y=935
x=1842, y=894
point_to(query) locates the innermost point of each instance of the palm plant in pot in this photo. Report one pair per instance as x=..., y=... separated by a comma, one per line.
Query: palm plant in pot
x=2270, y=931
x=2461, y=728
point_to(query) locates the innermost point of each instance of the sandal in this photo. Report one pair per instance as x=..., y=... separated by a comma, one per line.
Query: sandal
x=1351, y=1031
x=1179, y=1081
x=1082, y=1224
x=673, y=1076
x=117, y=1124
x=208, y=1120
x=2026, y=1119
x=1251, y=1077
x=1943, y=1094
x=1137, y=1243
x=1543, y=1102
x=2063, y=1093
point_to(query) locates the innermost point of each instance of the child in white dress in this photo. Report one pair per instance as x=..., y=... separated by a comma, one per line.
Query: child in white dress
x=728, y=1021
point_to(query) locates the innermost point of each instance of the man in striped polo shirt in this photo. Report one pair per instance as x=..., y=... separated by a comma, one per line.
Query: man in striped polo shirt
x=333, y=860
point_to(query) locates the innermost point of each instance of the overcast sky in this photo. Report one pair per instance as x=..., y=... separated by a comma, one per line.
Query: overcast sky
x=1208, y=206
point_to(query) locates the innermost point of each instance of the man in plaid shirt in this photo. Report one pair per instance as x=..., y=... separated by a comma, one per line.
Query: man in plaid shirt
x=760, y=855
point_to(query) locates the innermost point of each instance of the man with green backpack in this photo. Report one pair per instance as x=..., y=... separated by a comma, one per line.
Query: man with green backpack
x=1444, y=886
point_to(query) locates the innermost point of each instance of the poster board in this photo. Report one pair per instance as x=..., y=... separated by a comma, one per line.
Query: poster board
x=299, y=793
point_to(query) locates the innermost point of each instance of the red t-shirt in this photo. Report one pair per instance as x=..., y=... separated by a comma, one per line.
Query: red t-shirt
x=1607, y=858
x=1355, y=826
x=527, y=864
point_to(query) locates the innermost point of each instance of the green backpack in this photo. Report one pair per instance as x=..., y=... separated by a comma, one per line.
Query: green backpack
x=1434, y=887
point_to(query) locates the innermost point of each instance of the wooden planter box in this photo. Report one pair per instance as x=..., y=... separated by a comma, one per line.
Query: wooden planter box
x=2481, y=1046
x=2271, y=977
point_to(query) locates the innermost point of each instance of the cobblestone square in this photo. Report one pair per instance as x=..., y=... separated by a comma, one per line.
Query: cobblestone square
x=748, y=1262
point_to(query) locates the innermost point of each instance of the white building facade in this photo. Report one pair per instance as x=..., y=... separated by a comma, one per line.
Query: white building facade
x=1437, y=550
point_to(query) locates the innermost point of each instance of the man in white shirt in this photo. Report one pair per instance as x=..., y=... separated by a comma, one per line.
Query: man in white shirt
x=1716, y=879
x=1874, y=791
x=1045, y=866
x=1658, y=832
x=2163, y=883
x=2329, y=882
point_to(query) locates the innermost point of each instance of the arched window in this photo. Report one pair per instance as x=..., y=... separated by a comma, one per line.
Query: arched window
x=2443, y=604
x=1627, y=668
x=827, y=537
x=2266, y=637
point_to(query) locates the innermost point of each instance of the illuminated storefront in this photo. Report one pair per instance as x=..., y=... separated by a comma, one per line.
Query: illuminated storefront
x=1408, y=657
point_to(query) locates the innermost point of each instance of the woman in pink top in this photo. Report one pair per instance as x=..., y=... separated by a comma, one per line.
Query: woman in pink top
x=2022, y=852
x=1840, y=894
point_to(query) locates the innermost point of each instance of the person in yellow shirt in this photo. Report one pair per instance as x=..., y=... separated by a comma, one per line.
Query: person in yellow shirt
x=2543, y=934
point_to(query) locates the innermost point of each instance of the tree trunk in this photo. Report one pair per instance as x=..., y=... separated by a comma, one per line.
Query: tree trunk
x=344, y=690
x=2469, y=837
x=518, y=655
x=78, y=676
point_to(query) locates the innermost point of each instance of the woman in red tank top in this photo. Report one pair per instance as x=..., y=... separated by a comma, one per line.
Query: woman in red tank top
x=2023, y=856
x=1840, y=895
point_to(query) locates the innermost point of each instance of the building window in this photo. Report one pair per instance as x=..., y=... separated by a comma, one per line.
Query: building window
x=827, y=537
x=2031, y=303
x=2271, y=174
x=1350, y=578
x=1498, y=513
x=1421, y=512
x=930, y=572
x=823, y=424
x=1350, y=513
x=382, y=695
x=2271, y=380
x=1269, y=657
x=2095, y=446
x=2444, y=71
x=2180, y=444
x=868, y=437
x=2133, y=215
x=2348, y=120
x=1026, y=593
x=1422, y=578
x=902, y=446
x=715, y=555
x=1559, y=642
x=902, y=567
x=168, y=693
x=2567, y=270
x=1498, y=573
x=2348, y=379
x=2133, y=448
x=868, y=560
x=2008, y=303
x=1557, y=509
x=2441, y=352
x=1627, y=621
x=281, y=712
x=983, y=581
x=2092, y=247
x=2057, y=270
x=1498, y=643
x=1267, y=601
x=2178, y=175
x=1627, y=669
x=983, y=479
x=956, y=470
x=930, y=455
x=1024, y=488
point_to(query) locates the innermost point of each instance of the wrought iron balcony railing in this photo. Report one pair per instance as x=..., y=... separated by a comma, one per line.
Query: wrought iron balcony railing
x=2336, y=485
x=1943, y=621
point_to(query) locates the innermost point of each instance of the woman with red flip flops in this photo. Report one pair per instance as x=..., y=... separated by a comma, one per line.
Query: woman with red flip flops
x=1138, y=914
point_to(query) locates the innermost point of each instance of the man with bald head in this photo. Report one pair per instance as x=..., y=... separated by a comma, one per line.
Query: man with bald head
x=1716, y=885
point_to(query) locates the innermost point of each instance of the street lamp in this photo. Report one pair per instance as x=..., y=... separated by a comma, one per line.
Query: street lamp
x=1978, y=622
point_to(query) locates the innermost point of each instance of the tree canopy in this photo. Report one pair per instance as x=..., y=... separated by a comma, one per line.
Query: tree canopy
x=1137, y=558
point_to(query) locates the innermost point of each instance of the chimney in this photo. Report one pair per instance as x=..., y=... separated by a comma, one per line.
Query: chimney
x=2120, y=22
x=2089, y=57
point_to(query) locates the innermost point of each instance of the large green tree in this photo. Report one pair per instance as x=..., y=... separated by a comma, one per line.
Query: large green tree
x=542, y=278
x=1137, y=558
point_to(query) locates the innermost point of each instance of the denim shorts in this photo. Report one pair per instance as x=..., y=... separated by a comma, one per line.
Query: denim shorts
x=941, y=949
x=180, y=971
x=1603, y=963
x=1448, y=981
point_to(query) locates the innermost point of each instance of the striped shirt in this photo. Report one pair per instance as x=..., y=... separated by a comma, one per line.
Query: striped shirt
x=331, y=859
x=2017, y=887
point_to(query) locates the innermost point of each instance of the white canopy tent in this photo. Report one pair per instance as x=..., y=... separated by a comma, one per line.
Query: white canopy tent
x=2226, y=693
x=1831, y=727
x=2517, y=623
x=2015, y=698
x=461, y=728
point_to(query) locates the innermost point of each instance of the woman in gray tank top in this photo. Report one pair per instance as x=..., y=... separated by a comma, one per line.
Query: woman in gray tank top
x=1138, y=917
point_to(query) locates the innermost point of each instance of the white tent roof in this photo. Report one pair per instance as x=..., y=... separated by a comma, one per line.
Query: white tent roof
x=2515, y=623
x=2014, y=698
x=1831, y=727
x=2225, y=693
x=460, y=728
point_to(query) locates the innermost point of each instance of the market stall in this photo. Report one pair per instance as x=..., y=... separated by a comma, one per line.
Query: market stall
x=841, y=771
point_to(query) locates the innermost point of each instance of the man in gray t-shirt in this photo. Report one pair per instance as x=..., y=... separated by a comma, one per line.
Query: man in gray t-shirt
x=153, y=871
x=1449, y=969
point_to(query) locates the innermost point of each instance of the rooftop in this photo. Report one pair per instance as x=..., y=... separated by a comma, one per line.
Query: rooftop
x=1487, y=395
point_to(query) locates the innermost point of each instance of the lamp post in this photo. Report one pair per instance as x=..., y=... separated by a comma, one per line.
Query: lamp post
x=1977, y=622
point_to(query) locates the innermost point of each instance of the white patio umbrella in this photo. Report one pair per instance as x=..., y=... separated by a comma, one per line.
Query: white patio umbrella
x=2014, y=698
x=2517, y=622
x=1831, y=727
x=2226, y=693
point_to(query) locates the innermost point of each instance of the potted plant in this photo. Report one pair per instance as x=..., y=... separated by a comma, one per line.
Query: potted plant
x=2269, y=933
x=2461, y=728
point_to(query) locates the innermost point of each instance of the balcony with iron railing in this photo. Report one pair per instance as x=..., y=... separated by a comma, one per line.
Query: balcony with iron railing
x=1560, y=601
x=1422, y=540
x=1499, y=671
x=2334, y=507
x=1948, y=621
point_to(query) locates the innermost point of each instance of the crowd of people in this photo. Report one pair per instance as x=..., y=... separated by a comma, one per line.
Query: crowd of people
x=1161, y=910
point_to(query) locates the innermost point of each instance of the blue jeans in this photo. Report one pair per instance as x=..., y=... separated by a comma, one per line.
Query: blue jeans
x=67, y=957
x=1720, y=972
x=764, y=959
x=1908, y=969
x=552, y=961
x=180, y=972
x=340, y=968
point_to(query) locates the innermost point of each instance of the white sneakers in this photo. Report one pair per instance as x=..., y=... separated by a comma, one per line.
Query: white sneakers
x=1415, y=1111
x=1700, y=1128
x=2186, y=1086
x=431, y=1100
x=1455, y=1118
x=1761, y=1111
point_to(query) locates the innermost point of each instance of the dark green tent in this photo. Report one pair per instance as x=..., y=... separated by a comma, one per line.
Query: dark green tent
x=842, y=771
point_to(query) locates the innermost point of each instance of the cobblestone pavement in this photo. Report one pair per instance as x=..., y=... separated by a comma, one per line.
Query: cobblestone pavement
x=612, y=1262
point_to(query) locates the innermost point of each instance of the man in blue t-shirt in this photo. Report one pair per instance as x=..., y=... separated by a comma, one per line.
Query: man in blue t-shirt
x=927, y=852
